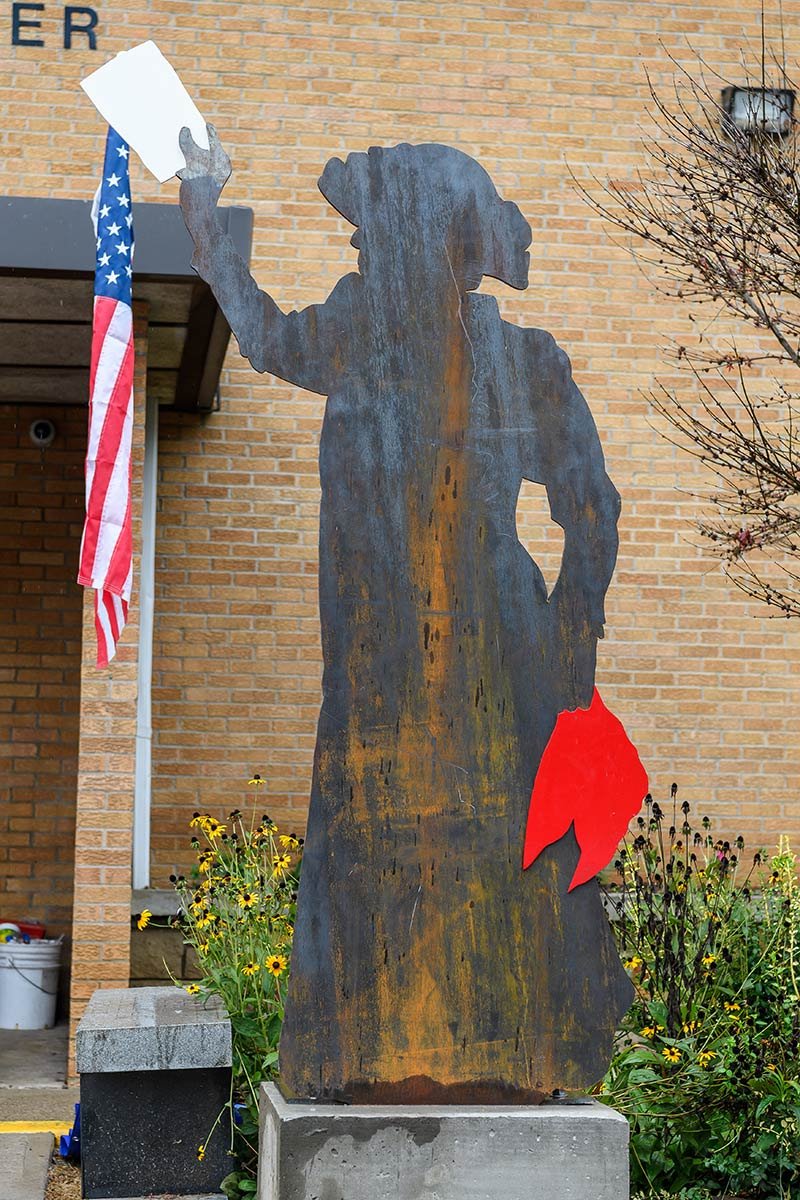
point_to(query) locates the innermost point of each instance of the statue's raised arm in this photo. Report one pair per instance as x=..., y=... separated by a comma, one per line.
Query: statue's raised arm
x=308, y=348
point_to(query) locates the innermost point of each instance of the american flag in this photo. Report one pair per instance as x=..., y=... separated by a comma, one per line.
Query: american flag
x=106, y=548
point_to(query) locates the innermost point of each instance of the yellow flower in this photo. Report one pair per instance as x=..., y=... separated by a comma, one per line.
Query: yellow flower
x=213, y=829
x=689, y=1026
x=289, y=841
x=771, y=1067
x=201, y=1152
x=251, y=968
x=204, y=921
x=671, y=1054
x=282, y=863
x=705, y=1057
x=144, y=919
x=709, y=960
x=204, y=862
x=256, y=781
x=733, y=1010
x=247, y=899
x=633, y=964
x=648, y=1031
x=277, y=964
x=203, y=947
x=193, y=989
x=199, y=819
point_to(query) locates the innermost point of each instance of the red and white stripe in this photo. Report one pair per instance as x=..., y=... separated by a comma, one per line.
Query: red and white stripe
x=106, y=548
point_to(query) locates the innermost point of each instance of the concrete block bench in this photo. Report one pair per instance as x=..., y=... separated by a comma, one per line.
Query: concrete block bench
x=155, y=1071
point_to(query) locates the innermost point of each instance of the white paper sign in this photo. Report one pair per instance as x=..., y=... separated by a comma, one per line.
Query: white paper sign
x=140, y=95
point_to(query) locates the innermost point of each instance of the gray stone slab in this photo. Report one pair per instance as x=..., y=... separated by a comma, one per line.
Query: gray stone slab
x=24, y=1163
x=433, y=1152
x=152, y=1029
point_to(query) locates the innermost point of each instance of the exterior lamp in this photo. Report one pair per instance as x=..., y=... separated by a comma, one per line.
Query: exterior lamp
x=764, y=110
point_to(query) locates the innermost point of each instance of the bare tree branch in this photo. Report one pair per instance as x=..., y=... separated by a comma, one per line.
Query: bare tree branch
x=715, y=211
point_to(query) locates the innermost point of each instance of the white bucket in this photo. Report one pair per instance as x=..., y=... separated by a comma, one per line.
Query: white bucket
x=29, y=983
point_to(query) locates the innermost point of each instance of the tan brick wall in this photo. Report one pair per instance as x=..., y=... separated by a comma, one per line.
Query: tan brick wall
x=707, y=688
x=41, y=507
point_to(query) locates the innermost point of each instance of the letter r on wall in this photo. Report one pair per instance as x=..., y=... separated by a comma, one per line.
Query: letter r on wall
x=88, y=27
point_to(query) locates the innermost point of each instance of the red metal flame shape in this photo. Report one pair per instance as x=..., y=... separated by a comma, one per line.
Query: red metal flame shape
x=591, y=777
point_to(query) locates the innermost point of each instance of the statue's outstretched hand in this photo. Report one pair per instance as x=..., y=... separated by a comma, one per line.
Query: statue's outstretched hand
x=203, y=164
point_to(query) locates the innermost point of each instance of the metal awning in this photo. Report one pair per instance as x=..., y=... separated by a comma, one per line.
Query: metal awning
x=46, y=275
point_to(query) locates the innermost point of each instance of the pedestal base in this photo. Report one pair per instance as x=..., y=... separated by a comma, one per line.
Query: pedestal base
x=432, y=1152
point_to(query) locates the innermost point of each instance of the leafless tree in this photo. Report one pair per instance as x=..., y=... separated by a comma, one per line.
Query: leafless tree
x=715, y=210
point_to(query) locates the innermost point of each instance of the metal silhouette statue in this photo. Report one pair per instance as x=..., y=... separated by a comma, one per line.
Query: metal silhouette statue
x=428, y=965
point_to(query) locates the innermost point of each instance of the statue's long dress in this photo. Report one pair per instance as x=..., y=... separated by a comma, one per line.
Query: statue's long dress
x=426, y=964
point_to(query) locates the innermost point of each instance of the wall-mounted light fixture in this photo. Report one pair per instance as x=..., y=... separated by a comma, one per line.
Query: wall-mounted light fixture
x=768, y=110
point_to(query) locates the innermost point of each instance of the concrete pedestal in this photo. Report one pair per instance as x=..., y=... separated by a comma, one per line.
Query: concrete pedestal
x=431, y=1152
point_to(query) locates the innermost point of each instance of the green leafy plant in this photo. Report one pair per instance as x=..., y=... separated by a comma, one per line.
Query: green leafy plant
x=707, y=1064
x=237, y=911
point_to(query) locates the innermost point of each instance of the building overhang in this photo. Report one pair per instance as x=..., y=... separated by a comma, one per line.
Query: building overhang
x=47, y=251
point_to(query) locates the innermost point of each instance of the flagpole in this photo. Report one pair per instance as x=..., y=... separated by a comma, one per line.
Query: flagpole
x=144, y=707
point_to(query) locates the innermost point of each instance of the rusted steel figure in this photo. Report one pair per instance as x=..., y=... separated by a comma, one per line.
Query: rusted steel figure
x=427, y=965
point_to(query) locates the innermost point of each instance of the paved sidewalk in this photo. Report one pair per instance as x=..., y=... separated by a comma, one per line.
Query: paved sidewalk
x=33, y=1058
x=31, y=1110
x=24, y=1162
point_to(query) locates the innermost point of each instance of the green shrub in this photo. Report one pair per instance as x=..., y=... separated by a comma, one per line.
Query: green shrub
x=238, y=913
x=707, y=1067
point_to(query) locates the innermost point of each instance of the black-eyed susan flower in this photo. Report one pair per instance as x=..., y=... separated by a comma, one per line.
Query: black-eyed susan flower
x=247, y=899
x=705, y=1057
x=213, y=829
x=276, y=964
x=633, y=963
x=648, y=1031
x=671, y=1054
x=689, y=1027
x=144, y=919
x=201, y=1152
x=281, y=863
x=250, y=968
x=708, y=961
x=193, y=989
x=733, y=1010
x=256, y=781
x=289, y=841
